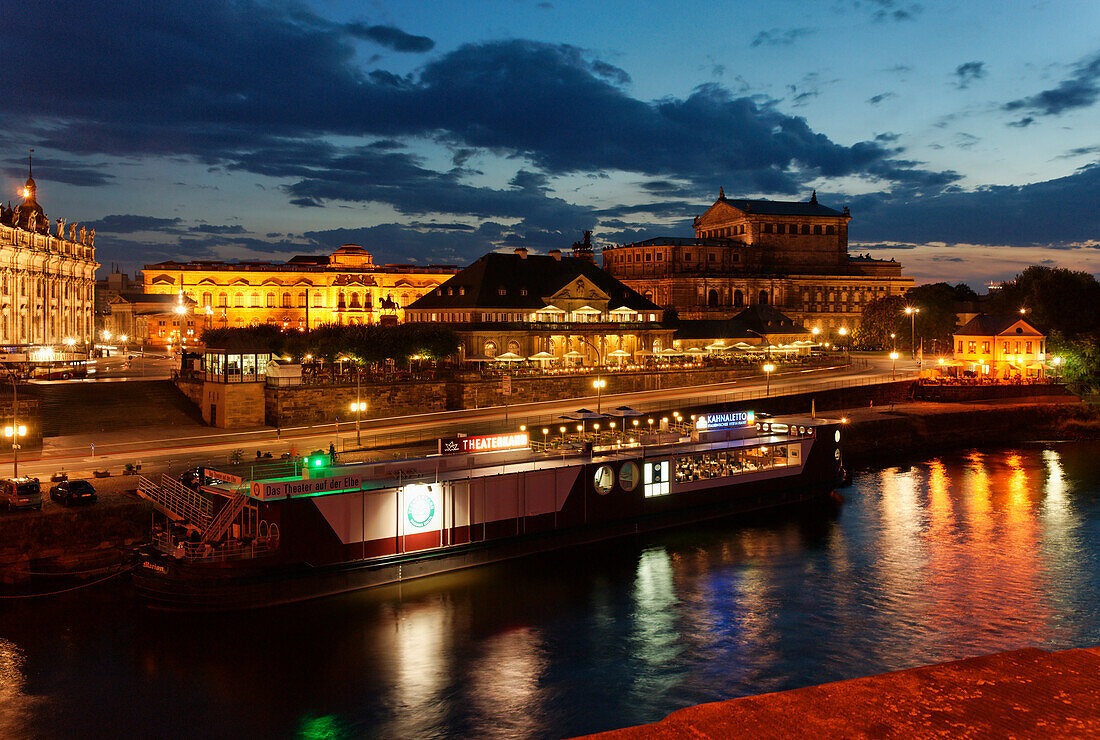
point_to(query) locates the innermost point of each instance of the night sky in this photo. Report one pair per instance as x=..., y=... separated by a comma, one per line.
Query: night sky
x=963, y=135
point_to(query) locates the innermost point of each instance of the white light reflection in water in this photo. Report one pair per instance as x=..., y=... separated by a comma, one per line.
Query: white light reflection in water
x=654, y=638
x=15, y=705
x=504, y=684
x=421, y=668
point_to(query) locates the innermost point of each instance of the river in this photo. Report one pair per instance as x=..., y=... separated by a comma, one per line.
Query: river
x=946, y=557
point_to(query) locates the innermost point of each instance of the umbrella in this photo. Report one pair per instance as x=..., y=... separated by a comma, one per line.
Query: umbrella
x=582, y=415
x=574, y=355
x=717, y=346
x=541, y=357
x=743, y=345
x=694, y=351
x=618, y=353
x=670, y=352
x=478, y=358
x=624, y=411
x=509, y=357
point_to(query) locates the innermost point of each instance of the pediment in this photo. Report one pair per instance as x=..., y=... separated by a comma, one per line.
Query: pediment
x=272, y=281
x=162, y=280
x=1026, y=330
x=206, y=281
x=240, y=281
x=578, y=292
x=719, y=213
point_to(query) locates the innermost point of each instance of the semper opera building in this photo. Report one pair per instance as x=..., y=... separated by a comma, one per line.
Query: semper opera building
x=343, y=288
x=47, y=276
x=791, y=255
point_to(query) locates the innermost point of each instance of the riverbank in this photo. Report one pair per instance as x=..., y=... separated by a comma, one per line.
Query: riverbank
x=1021, y=693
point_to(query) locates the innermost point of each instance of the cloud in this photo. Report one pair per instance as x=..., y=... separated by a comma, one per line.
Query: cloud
x=130, y=224
x=969, y=72
x=390, y=37
x=780, y=37
x=1080, y=90
x=212, y=229
x=876, y=99
x=881, y=11
x=1081, y=151
x=54, y=169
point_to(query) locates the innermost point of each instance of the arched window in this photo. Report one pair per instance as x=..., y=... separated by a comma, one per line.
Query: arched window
x=302, y=300
x=271, y=300
x=490, y=348
x=656, y=346
x=223, y=300
x=340, y=300
x=712, y=298
x=255, y=300
x=738, y=298
x=513, y=347
x=207, y=299
x=763, y=298
x=286, y=300
x=354, y=300
x=238, y=300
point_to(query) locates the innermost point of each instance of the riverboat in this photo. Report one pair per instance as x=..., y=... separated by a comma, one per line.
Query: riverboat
x=316, y=527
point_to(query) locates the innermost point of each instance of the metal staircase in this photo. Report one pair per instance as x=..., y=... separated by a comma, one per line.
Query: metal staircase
x=177, y=501
x=220, y=525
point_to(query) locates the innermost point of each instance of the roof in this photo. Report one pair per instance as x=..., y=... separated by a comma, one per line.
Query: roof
x=539, y=275
x=991, y=325
x=676, y=241
x=783, y=207
x=750, y=323
x=159, y=299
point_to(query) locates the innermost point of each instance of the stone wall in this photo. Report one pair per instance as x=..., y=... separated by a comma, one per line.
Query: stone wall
x=318, y=404
x=233, y=405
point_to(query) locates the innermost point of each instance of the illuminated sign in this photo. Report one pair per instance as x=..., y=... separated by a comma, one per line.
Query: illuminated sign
x=726, y=420
x=484, y=443
x=268, y=491
x=223, y=477
x=420, y=503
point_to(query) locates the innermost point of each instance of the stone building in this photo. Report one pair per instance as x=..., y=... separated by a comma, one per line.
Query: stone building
x=344, y=288
x=47, y=280
x=151, y=319
x=565, y=307
x=1001, y=346
x=793, y=255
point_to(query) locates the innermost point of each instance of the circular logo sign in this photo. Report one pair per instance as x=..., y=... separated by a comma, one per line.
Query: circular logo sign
x=628, y=476
x=604, y=479
x=421, y=510
x=837, y=436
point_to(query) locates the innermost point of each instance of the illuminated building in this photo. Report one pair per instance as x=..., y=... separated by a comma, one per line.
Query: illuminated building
x=1000, y=346
x=47, y=280
x=565, y=307
x=344, y=288
x=792, y=255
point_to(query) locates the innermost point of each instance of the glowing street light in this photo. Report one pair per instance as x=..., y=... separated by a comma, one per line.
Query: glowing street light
x=894, y=369
x=599, y=384
x=911, y=312
x=768, y=368
x=843, y=331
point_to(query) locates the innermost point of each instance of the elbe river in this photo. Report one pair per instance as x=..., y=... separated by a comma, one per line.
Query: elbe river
x=945, y=557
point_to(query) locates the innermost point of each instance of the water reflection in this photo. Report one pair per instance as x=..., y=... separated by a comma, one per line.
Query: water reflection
x=952, y=556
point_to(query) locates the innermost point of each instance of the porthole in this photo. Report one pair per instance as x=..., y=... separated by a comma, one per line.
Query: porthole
x=604, y=480
x=837, y=436
x=628, y=476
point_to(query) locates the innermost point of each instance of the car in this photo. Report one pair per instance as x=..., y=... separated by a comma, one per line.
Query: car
x=21, y=493
x=73, y=492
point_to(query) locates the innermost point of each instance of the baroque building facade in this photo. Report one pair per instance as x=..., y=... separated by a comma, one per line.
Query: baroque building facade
x=47, y=277
x=791, y=255
x=546, y=308
x=344, y=288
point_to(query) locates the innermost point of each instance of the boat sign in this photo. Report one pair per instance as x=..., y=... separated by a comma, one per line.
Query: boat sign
x=726, y=420
x=484, y=443
x=272, y=490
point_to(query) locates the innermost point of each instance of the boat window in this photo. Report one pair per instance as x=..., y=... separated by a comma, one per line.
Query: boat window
x=656, y=478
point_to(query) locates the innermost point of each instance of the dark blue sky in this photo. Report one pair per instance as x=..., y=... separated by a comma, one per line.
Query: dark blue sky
x=962, y=135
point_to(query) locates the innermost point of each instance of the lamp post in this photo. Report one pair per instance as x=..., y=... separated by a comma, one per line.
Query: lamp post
x=843, y=331
x=16, y=430
x=768, y=344
x=358, y=407
x=599, y=384
x=768, y=368
x=894, y=368
x=893, y=341
x=912, y=312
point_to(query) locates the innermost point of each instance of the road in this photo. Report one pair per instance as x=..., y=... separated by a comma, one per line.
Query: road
x=161, y=450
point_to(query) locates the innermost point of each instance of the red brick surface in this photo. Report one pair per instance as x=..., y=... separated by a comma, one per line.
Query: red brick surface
x=1027, y=693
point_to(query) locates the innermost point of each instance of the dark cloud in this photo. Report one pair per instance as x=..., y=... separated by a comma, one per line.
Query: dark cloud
x=1080, y=151
x=1017, y=215
x=780, y=36
x=390, y=37
x=969, y=72
x=1078, y=91
x=213, y=229
x=53, y=169
x=883, y=10
x=887, y=137
x=876, y=99
x=130, y=224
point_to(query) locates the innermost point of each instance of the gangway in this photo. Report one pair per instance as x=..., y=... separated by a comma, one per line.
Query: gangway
x=220, y=524
x=177, y=501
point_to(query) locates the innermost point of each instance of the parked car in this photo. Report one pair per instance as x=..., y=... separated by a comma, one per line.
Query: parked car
x=21, y=493
x=73, y=491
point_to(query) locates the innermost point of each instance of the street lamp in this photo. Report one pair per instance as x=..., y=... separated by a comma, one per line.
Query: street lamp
x=358, y=407
x=545, y=445
x=894, y=369
x=912, y=312
x=599, y=384
x=16, y=430
x=893, y=340
x=768, y=368
x=843, y=331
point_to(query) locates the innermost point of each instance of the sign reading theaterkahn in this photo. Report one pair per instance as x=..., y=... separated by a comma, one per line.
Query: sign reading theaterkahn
x=484, y=443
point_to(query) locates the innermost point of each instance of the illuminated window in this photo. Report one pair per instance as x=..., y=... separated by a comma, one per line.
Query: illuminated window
x=985, y=348
x=971, y=347
x=271, y=300
x=656, y=478
x=1027, y=349
x=223, y=300
x=238, y=300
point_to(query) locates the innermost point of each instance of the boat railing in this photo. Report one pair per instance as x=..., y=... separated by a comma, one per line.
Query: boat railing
x=206, y=552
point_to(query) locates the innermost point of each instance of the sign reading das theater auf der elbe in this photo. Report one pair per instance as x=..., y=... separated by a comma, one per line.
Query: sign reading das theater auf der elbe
x=267, y=491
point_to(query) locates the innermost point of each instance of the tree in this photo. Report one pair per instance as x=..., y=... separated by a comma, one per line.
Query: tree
x=937, y=318
x=879, y=318
x=1054, y=298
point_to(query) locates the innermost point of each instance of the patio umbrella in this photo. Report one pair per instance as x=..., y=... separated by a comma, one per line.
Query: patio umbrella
x=718, y=347
x=574, y=355
x=743, y=345
x=478, y=358
x=541, y=357
x=509, y=357
x=624, y=411
x=582, y=415
x=618, y=353
x=670, y=352
x=694, y=351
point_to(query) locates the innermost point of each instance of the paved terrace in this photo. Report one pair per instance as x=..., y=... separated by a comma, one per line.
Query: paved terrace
x=1028, y=693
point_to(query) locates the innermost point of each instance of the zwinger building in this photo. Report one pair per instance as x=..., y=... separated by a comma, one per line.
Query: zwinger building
x=306, y=292
x=791, y=255
x=47, y=276
x=544, y=307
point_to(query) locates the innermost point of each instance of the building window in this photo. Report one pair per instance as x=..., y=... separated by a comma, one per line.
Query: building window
x=738, y=298
x=687, y=256
x=271, y=300
x=286, y=300
x=805, y=228
x=1027, y=348
x=303, y=300
x=502, y=290
x=961, y=346
x=238, y=300
x=972, y=348
x=648, y=256
x=223, y=300
x=763, y=298
x=830, y=230
x=318, y=300
x=712, y=298
x=817, y=230
x=985, y=348
x=735, y=257
x=659, y=256
x=710, y=256
x=207, y=299
x=780, y=228
x=523, y=291
x=490, y=349
x=656, y=478
x=767, y=228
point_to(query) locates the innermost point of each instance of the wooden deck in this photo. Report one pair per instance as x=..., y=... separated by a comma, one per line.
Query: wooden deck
x=1028, y=693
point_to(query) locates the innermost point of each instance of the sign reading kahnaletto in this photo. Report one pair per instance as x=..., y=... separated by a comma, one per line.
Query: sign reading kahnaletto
x=484, y=443
x=726, y=420
x=268, y=491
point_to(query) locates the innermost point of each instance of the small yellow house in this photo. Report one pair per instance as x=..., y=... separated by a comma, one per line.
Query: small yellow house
x=1000, y=346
